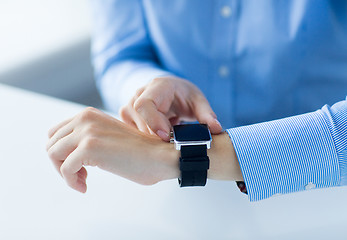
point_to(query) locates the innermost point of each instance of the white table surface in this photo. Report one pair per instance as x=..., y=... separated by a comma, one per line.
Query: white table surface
x=35, y=203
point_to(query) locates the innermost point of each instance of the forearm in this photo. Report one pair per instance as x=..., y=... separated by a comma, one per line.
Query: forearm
x=122, y=52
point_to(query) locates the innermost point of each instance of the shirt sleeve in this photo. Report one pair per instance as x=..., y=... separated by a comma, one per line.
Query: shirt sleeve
x=123, y=56
x=293, y=154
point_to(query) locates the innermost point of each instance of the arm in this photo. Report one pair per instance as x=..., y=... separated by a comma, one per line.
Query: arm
x=293, y=154
x=123, y=56
x=93, y=138
x=280, y=156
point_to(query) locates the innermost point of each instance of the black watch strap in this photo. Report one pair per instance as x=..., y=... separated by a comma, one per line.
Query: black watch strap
x=194, y=164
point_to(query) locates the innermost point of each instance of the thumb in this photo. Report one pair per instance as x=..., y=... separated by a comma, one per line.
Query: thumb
x=204, y=114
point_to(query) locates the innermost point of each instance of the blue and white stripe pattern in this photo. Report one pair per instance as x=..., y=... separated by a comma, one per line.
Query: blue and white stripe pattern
x=295, y=153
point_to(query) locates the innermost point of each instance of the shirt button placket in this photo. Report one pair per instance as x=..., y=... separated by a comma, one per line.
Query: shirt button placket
x=225, y=11
x=222, y=47
x=223, y=71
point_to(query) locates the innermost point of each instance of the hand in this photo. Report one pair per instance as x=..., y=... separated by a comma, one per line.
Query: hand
x=165, y=102
x=93, y=138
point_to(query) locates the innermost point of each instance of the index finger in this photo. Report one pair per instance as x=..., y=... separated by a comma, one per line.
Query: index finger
x=156, y=120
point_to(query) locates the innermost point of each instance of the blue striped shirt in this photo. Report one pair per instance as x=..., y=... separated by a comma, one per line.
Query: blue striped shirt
x=255, y=61
x=293, y=154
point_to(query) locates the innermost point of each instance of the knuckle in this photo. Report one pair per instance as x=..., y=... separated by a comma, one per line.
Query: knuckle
x=52, y=154
x=198, y=96
x=64, y=169
x=140, y=103
x=139, y=91
x=91, y=110
x=162, y=81
x=88, y=161
x=123, y=112
x=158, y=80
x=87, y=114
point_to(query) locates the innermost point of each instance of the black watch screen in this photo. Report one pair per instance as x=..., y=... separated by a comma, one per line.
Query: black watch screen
x=191, y=132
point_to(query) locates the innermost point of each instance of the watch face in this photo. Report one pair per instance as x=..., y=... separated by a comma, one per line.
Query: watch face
x=191, y=132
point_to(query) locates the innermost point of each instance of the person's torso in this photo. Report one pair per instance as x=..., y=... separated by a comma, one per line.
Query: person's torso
x=255, y=60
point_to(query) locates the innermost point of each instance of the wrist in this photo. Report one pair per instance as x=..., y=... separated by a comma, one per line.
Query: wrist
x=223, y=160
x=168, y=160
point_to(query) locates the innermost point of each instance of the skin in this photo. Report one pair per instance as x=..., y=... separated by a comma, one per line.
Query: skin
x=166, y=101
x=93, y=138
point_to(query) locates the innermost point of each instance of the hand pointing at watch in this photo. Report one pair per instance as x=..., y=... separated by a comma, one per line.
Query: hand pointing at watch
x=166, y=101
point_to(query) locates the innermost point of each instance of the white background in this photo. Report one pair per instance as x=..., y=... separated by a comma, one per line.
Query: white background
x=45, y=47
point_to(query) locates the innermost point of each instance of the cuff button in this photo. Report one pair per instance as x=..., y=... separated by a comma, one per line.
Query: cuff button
x=310, y=186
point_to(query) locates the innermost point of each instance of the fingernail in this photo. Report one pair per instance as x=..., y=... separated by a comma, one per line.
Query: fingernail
x=217, y=122
x=162, y=134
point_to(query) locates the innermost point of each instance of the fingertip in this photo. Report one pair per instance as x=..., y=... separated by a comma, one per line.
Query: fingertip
x=50, y=132
x=83, y=189
x=215, y=126
x=76, y=181
x=81, y=186
x=163, y=135
x=81, y=180
x=83, y=173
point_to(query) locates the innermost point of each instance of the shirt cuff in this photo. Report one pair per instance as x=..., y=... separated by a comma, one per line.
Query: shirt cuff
x=336, y=119
x=286, y=155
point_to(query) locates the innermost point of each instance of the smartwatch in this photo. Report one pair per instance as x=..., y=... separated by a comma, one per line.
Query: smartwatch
x=192, y=140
